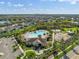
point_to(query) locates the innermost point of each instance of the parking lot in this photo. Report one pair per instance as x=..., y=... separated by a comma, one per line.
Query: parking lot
x=7, y=50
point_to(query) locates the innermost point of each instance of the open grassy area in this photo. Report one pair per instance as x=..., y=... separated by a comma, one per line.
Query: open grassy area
x=74, y=29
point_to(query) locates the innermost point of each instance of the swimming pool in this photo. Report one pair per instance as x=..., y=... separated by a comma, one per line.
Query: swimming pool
x=2, y=22
x=35, y=34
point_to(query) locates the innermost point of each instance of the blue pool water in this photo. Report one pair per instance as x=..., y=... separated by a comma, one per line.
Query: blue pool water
x=2, y=22
x=36, y=33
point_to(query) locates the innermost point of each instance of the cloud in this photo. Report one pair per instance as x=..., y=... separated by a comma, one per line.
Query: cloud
x=9, y=3
x=15, y=5
x=73, y=2
x=2, y=2
x=30, y=4
x=70, y=1
x=48, y=0
x=18, y=5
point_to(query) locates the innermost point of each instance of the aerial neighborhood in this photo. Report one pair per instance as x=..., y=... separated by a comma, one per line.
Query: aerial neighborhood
x=39, y=37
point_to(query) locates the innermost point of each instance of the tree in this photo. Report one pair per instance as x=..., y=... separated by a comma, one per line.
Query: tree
x=30, y=54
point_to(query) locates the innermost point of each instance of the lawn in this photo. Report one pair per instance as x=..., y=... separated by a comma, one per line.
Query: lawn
x=71, y=29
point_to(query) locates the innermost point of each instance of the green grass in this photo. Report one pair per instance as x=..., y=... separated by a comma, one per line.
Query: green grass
x=71, y=29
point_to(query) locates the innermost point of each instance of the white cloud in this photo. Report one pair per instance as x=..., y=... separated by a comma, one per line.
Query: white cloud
x=9, y=3
x=70, y=1
x=30, y=4
x=73, y=2
x=47, y=0
x=18, y=5
x=61, y=0
x=2, y=2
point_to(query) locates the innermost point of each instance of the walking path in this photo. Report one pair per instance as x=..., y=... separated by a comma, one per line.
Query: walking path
x=19, y=46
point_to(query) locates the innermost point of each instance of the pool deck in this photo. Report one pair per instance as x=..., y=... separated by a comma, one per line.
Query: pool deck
x=35, y=34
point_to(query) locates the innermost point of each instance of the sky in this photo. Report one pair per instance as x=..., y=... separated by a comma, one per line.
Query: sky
x=39, y=6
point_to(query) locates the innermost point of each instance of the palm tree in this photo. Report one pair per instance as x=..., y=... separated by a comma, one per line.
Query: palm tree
x=39, y=36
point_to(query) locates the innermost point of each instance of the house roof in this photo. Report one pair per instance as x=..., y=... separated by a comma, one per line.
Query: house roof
x=38, y=40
